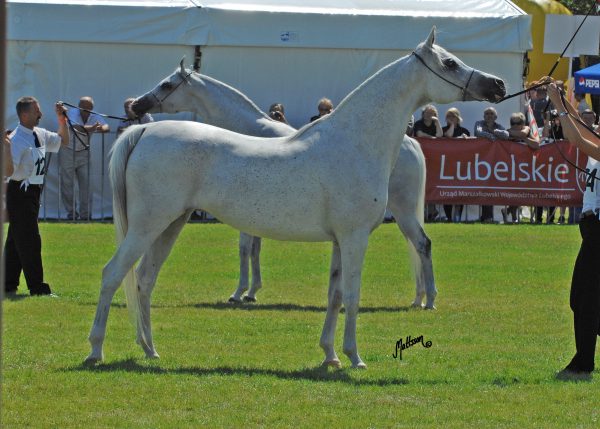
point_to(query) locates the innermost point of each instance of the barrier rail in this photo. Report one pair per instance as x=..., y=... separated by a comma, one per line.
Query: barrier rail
x=459, y=172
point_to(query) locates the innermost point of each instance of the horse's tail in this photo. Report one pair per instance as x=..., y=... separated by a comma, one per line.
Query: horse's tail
x=117, y=168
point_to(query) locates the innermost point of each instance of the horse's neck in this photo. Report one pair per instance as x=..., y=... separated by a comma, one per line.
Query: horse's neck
x=223, y=106
x=382, y=106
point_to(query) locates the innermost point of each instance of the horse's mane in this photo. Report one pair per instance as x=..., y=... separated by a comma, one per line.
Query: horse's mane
x=223, y=87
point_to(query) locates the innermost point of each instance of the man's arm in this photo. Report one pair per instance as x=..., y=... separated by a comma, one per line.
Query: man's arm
x=63, y=129
x=576, y=133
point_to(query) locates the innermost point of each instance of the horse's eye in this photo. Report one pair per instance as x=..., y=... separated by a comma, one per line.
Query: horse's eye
x=450, y=63
x=166, y=85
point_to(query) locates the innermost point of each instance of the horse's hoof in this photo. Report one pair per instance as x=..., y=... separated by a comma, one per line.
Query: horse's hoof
x=416, y=305
x=360, y=365
x=430, y=307
x=91, y=361
x=249, y=299
x=234, y=300
x=333, y=363
x=152, y=355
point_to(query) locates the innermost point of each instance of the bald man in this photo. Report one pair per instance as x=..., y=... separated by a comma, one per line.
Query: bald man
x=74, y=159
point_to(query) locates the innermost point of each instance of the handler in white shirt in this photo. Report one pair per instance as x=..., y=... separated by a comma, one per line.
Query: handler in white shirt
x=74, y=162
x=29, y=144
x=585, y=284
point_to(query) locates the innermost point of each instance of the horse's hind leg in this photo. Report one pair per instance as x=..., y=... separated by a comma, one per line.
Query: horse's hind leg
x=255, y=263
x=334, y=303
x=420, y=247
x=113, y=274
x=147, y=273
x=245, y=248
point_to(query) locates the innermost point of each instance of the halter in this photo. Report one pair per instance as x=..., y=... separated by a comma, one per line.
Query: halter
x=183, y=79
x=463, y=89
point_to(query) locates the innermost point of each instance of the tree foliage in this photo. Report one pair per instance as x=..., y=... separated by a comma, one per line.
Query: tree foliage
x=578, y=7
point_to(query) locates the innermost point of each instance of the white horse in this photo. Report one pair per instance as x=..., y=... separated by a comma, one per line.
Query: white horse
x=223, y=106
x=326, y=182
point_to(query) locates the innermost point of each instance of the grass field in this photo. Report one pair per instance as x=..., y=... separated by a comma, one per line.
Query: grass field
x=501, y=331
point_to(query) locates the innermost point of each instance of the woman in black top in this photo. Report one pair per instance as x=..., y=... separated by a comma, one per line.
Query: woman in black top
x=453, y=128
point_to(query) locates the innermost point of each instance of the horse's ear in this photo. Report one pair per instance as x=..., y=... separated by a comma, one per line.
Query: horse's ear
x=431, y=39
x=181, y=66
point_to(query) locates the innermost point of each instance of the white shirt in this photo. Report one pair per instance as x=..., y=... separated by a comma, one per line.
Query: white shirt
x=30, y=161
x=76, y=119
x=591, y=196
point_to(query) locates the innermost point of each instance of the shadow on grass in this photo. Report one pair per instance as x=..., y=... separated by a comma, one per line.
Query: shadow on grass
x=291, y=307
x=266, y=307
x=311, y=374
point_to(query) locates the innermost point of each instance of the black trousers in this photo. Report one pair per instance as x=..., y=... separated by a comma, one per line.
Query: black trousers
x=585, y=295
x=23, y=246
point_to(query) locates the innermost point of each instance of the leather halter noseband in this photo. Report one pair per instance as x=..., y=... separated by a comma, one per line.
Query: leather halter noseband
x=183, y=79
x=464, y=89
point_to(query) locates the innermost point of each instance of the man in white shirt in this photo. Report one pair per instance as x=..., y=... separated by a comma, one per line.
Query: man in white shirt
x=29, y=144
x=74, y=162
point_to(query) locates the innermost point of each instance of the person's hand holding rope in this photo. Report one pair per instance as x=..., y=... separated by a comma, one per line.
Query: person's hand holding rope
x=574, y=129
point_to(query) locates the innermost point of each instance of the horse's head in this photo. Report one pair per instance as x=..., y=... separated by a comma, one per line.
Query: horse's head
x=169, y=96
x=449, y=79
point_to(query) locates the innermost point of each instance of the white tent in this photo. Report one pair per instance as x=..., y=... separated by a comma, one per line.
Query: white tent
x=287, y=51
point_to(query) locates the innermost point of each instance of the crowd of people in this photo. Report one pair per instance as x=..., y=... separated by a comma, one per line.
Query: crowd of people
x=546, y=119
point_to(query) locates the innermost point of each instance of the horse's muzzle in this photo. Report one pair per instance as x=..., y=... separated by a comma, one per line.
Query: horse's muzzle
x=141, y=105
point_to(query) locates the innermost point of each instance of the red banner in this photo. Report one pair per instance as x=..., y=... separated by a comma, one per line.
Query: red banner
x=482, y=172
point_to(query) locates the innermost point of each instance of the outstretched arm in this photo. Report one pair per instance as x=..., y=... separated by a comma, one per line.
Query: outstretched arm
x=575, y=132
x=63, y=129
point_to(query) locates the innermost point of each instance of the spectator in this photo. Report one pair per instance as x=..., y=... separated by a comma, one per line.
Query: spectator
x=580, y=103
x=74, y=162
x=429, y=124
x=488, y=128
x=539, y=104
x=410, y=126
x=552, y=128
x=428, y=127
x=453, y=129
x=325, y=107
x=29, y=144
x=589, y=118
x=131, y=117
x=520, y=132
x=277, y=113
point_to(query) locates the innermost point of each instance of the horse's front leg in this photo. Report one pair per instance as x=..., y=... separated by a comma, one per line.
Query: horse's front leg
x=245, y=248
x=353, y=248
x=334, y=302
x=255, y=264
x=147, y=273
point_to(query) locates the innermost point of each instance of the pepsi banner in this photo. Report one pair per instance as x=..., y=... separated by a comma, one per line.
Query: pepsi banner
x=588, y=80
x=482, y=172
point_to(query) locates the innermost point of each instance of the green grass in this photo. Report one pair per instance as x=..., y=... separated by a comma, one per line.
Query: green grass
x=501, y=331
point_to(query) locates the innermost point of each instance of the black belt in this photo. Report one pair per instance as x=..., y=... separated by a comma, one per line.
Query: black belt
x=19, y=182
x=590, y=214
